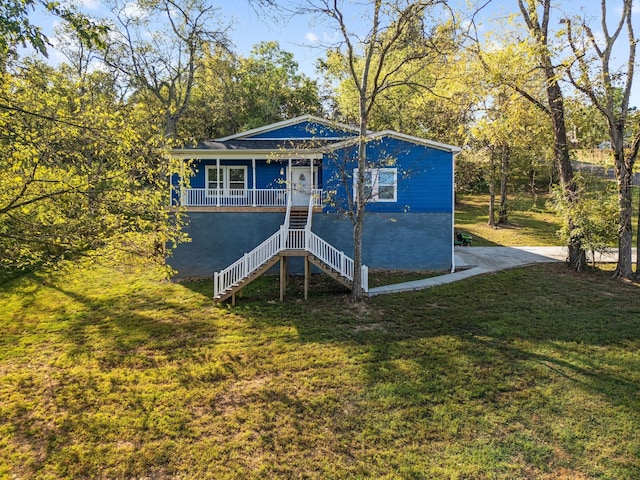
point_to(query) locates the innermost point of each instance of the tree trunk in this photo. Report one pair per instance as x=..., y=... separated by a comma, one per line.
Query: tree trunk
x=492, y=203
x=577, y=258
x=360, y=200
x=538, y=24
x=624, y=175
x=638, y=244
x=503, y=213
x=532, y=180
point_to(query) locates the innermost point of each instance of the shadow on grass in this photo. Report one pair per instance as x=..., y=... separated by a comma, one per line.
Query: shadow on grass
x=541, y=317
x=133, y=328
x=516, y=374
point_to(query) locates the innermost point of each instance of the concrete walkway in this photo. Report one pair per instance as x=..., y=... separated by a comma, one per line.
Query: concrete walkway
x=474, y=261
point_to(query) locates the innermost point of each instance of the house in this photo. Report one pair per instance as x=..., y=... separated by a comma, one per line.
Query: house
x=283, y=191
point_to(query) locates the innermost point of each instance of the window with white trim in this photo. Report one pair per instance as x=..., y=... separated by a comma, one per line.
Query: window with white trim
x=228, y=179
x=380, y=184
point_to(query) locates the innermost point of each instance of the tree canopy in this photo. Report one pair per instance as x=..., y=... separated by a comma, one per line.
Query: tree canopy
x=84, y=173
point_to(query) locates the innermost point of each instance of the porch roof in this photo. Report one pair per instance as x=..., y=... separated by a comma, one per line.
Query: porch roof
x=259, y=144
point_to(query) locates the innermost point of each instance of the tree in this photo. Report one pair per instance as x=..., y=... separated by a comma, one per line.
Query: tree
x=234, y=93
x=161, y=48
x=537, y=15
x=84, y=173
x=594, y=213
x=507, y=132
x=438, y=104
x=16, y=26
x=593, y=73
x=399, y=39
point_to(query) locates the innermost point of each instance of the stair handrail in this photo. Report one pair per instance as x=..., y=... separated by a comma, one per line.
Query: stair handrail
x=334, y=258
x=287, y=216
x=247, y=264
x=309, y=212
x=280, y=240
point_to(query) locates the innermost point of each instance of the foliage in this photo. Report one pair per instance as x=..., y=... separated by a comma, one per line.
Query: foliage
x=421, y=97
x=160, y=45
x=16, y=26
x=111, y=374
x=588, y=128
x=234, y=93
x=471, y=173
x=594, y=213
x=82, y=172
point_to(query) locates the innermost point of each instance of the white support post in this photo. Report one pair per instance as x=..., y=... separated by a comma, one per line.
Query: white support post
x=253, y=166
x=218, y=182
x=290, y=180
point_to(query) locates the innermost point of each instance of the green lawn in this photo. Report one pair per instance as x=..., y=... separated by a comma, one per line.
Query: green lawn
x=529, y=373
x=531, y=222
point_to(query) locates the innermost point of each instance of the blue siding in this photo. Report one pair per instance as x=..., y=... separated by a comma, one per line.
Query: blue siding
x=425, y=176
x=305, y=130
x=267, y=174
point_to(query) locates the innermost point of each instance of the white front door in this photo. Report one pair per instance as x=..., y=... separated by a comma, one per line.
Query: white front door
x=301, y=185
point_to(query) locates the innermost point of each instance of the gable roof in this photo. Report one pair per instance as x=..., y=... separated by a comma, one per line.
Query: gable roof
x=266, y=138
x=398, y=136
x=262, y=131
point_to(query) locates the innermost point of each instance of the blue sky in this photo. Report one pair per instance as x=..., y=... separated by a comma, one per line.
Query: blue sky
x=306, y=37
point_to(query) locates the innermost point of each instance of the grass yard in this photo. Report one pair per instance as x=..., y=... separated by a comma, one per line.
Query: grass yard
x=525, y=374
x=532, y=223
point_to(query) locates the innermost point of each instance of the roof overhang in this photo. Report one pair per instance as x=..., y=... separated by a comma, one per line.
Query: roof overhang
x=204, y=154
x=288, y=123
x=399, y=136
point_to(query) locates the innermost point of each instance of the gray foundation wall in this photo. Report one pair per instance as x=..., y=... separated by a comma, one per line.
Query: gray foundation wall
x=404, y=241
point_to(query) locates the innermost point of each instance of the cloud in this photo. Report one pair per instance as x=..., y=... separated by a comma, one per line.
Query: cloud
x=134, y=11
x=311, y=37
x=91, y=5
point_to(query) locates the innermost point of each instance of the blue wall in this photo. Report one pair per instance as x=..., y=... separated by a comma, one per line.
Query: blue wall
x=416, y=241
x=305, y=130
x=425, y=176
x=267, y=173
x=220, y=238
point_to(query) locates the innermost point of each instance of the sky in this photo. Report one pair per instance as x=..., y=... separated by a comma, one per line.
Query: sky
x=306, y=37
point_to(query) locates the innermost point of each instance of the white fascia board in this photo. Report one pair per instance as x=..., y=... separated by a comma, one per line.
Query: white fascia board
x=207, y=154
x=418, y=140
x=287, y=123
x=399, y=136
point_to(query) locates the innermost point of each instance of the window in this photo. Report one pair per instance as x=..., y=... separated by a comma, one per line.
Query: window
x=230, y=180
x=380, y=184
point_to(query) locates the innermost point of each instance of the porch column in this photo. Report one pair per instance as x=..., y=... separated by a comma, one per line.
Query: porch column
x=253, y=166
x=218, y=182
x=311, y=180
x=307, y=276
x=290, y=183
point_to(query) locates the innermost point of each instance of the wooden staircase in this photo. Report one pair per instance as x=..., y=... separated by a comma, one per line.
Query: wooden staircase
x=298, y=218
x=294, y=239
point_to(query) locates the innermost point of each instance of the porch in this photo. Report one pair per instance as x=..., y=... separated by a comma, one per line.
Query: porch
x=253, y=197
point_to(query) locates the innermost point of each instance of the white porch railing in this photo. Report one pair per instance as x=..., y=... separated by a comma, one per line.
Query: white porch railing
x=285, y=239
x=262, y=197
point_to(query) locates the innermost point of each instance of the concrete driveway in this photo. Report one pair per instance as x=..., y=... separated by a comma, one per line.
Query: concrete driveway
x=472, y=261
